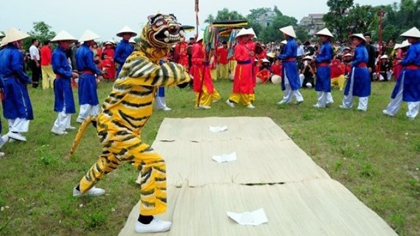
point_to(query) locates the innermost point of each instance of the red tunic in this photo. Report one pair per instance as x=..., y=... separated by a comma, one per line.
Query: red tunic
x=222, y=56
x=264, y=74
x=337, y=68
x=276, y=69
x=109, y=52
x=182, y=54
x=244, y=79
x=201, y=69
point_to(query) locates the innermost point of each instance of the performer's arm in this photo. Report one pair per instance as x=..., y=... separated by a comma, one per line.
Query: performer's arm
x=17, y=67
x=57, y=68
x=410, y=58
x=140, y=71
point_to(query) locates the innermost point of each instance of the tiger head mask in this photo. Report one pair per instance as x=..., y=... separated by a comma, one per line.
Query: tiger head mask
x=159, y=35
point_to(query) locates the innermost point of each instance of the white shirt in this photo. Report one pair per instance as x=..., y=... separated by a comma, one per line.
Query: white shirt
x=34, y=52
x=300, y=51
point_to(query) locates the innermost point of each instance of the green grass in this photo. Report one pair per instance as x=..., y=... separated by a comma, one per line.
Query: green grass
x=376, y=157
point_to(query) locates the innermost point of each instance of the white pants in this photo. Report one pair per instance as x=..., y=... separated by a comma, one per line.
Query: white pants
x=63, y=121
x=323, y=99
x=88, y=110
x=160, y=102
x=330, y=99
x=348, y=99
x=289, y=93
x=18, y=125
x=395, y=104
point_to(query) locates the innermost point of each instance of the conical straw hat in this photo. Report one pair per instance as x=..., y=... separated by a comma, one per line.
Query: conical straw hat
x=384, y=57
x=325, y=32
x=404, y=44
x=88, y=35
x=243, y=32
x=347, y=55
x=63, y=36
x=13, y=35
x=360, y=36
x=289, y=31
x=251, y=31
x=397, y=46
x=126, y=29
x=200, y=36
x=411, y=33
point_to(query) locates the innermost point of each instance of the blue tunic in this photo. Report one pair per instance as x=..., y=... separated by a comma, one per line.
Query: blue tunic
x=62, y=85
x=123, y=50
x=323, y=73
x=16, y=102
x=359, y=77
x=411, y=89
x=289, y=65
x=87, y=81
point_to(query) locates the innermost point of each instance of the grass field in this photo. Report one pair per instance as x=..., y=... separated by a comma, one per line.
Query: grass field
x=376, y=157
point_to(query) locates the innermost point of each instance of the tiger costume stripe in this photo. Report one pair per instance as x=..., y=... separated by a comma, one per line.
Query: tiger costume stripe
x=128, y=108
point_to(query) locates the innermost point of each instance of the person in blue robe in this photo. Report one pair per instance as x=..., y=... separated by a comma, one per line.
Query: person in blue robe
x=124, y=48
x=17, y=107
x=323, y=71
x=358, y=83
x=407, y=88
x=290, y=83
x=63, y=94
x=88, y=96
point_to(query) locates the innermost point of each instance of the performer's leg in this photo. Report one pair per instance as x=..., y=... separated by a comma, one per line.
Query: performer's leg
x=234, y=98
x=60, y=123
x=288, y=93
x=298, y=96
x=341, y=79
x=347, y=101
x=395, y=104
x=44, y=77
x=215, y=96
x=322, y=100
x=330, y=99
x=84, y=112
x=413, y=110
x=363, y=103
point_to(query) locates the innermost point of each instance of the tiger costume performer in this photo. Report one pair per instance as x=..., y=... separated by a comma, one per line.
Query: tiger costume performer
x=127, y=109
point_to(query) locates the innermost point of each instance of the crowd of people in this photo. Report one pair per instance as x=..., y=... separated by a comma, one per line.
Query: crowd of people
x=141, y=74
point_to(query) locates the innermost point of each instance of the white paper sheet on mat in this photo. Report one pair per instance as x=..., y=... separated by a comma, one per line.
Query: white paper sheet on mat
x=316, y=207
x=196, y=129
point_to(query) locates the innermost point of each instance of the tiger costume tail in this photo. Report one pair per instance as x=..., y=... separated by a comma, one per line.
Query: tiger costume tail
x=79, y=135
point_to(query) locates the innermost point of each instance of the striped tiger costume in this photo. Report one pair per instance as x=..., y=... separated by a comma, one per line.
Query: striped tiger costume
x=129, y=106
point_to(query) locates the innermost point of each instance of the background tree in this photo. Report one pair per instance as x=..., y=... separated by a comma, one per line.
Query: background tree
x=400, y=17
x=361, y=19
x=337, y=17
x=41, y=31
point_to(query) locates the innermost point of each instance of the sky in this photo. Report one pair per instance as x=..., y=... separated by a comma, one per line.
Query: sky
x=107, y=17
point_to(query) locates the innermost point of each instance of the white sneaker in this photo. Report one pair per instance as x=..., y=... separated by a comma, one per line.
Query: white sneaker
x=343, y=107
x=79, y=120
x=94, y=191
x=231, y=104
x=250, y=106
x=281, y=102
x=204, y=107
x=385, y=112
x=3, y=140
x=214, y=101
x=298, y=102
x=17, y=136
x=58, y=132
x=155, y=226
x=167, y=109
x=71, y=128
x=318, y=106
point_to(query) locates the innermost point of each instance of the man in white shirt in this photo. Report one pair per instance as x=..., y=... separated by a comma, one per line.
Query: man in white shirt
x=300, y=52
x=35, y=62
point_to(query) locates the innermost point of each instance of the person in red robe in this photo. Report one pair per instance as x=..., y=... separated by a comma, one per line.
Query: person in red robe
x=108, y=61
x=276, y=67
x=243, y=83
x=182, y=56
x=203, y=84
x=223, y=62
